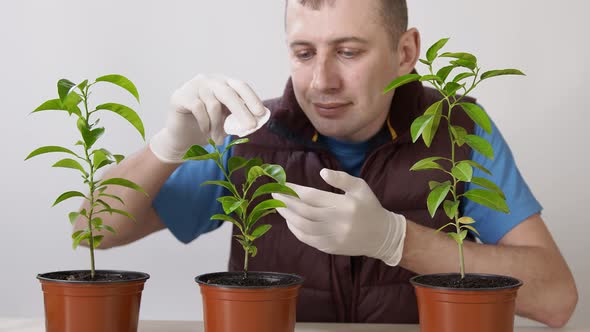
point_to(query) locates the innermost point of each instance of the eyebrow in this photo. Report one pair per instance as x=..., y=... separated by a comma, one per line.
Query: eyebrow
x=331, y=42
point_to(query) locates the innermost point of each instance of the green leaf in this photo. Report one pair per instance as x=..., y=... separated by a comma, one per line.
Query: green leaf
x=462, y=76
x=478, y=166
x=236, y=142
x=63, y=88
x=117, y=211
x=224, y=217
x=276, y=172
x=442, y=227
x=81, y=237
x=123, y=183
x=230, y=203
x=96, y=222
x=433, y=184
x=425, y=62
x=451, y=208
x=480, y=145
x=100, y=159
x=459, y=134
x=273, y=188
x=103, y=203
x=97, y=240
x=70, y=163
x=471, y=228
x=444, y=72
x=463, y=235
x=110, y=229
x=488, y=184
x=50, y=149
x=71, y=102
x=197, y=152
x=462, y=172
x=82, y=85
x=261, y=208
x=451, y=88
x=432, y=52
x=405, y=79
x=118, y=157
x=419, y=124
x=500, y=72
x=67, y=195
x=464, y=63
x=115, y=197
x=127, y=113
x=224, y=184
x=235, y=163
x=260, y=230
x=455, y=237
x=73, y=216
x=487, y=198
x=251, y=163
x=466, y=220
x=427, y=163
x=121, y=81
x=89, y=136
x=56, y=105
x=76, y=234
x=50, y=105
x=478, y=115
x=460, y=55
x=253, y=250
x=432, y=127
x=436, y=197
x=431, y=78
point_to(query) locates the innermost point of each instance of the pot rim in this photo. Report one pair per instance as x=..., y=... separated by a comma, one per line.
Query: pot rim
x=141, y=276
x=299, y=279
x=415, y=283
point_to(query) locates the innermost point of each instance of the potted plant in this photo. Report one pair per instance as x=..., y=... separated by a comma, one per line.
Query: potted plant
x=247, y=301
x=91, y=300
x=459, y=302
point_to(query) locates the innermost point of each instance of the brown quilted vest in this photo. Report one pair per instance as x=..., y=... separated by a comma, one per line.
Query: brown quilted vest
x=343, y=288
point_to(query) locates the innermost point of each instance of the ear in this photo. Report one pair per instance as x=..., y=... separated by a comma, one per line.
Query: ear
x=408, y=51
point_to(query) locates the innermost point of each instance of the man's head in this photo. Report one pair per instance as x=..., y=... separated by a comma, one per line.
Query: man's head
x=343, y=53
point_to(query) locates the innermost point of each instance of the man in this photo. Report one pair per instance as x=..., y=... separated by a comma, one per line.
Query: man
x=356, y=235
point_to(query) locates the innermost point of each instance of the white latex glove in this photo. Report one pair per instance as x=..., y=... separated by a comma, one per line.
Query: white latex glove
x=352, y=224
x=198, y=113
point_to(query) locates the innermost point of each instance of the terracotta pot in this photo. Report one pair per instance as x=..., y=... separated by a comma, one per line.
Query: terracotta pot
x=228, y=308
x=444, y=309
x=92, y=306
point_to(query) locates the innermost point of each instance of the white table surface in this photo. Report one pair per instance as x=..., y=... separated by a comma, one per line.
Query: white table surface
x=37, y=325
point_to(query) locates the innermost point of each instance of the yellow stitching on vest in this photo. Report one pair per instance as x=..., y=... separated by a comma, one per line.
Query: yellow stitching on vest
x=314, y=138
x=391, y=130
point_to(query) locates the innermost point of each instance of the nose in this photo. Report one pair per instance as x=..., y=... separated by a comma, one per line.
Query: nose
x=326, y=78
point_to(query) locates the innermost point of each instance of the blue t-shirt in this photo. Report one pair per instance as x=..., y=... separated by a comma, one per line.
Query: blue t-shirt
x=185, y=207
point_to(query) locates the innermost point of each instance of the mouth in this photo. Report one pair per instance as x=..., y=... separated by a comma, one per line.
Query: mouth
x=330, y=110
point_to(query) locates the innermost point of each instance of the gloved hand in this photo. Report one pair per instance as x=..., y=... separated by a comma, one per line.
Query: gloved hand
x=207, y=107
x=351, y=224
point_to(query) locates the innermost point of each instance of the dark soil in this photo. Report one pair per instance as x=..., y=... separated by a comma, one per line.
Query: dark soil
x=100, y=276
x=252, y=279
x=471, y=281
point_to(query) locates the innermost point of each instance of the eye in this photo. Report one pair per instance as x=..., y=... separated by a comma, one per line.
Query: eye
x=348, y=53
x=304, y=54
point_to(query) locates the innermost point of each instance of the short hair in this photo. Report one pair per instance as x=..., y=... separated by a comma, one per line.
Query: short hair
x=394, y=15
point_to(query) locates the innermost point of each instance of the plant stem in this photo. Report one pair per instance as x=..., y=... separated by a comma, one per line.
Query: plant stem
x=461, y=260
x=245, y=261
x=91, y=187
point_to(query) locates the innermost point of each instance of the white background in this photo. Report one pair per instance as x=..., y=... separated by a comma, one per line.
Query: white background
x=161, y=44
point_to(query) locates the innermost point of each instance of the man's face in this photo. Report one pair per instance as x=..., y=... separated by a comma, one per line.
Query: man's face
x=341, y=60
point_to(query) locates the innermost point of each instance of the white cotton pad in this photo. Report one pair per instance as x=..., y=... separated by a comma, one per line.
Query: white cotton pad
x=232, y=124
